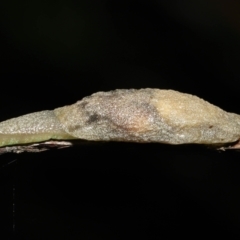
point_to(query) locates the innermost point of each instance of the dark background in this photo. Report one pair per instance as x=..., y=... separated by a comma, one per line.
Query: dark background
x=53, y=53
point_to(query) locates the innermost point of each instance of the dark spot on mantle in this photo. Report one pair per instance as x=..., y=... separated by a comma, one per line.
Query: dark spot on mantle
x=93, y=118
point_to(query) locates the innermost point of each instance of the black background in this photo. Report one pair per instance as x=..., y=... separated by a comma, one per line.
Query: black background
x=53, y=53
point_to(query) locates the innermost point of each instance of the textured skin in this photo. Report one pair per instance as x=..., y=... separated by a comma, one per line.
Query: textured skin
x=145, y=115
x=33, y=127
x=149, y=115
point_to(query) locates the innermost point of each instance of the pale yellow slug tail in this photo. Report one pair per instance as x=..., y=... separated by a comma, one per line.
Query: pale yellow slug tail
x=31, y=128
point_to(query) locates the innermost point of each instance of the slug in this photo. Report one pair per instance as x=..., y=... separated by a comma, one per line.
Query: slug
x=145, y=115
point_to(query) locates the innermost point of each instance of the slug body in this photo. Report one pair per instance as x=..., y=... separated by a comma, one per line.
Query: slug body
x=145, y=115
